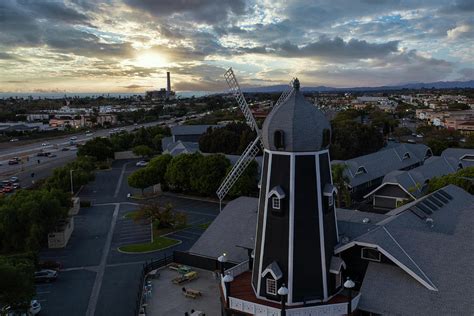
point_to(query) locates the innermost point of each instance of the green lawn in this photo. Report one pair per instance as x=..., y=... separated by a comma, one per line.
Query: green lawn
x=157, y=244
x=204, y=225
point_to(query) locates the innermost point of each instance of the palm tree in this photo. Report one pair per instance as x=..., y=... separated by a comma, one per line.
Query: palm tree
x=340, y=180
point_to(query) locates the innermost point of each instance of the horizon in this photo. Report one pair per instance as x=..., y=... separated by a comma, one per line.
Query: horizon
x=126, y=46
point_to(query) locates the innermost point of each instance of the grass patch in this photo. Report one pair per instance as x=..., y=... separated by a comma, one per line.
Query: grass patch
x=157, y=244
x=204, y=226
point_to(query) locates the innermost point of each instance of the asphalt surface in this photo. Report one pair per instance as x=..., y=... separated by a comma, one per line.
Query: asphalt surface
x=96, y=278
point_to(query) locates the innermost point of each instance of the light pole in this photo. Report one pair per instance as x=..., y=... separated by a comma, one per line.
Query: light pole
x=227, y=279
x=349, y=284
x=72, y=184
x=283, y=292
x=222, y=260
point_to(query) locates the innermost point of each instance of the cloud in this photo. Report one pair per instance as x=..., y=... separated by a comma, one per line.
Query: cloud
x=202, y=11
x=136, y=86
x=328, y=48
x=463, y=31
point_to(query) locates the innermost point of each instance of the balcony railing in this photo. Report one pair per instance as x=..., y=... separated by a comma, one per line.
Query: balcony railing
x=238, y=269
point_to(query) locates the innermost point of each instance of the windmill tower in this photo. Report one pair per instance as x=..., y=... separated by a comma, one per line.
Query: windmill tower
x=296, y=224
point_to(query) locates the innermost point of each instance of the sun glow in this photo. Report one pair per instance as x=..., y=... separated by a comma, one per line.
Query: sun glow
x=150, y=60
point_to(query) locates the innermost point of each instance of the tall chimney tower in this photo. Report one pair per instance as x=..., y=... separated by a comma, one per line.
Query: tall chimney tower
x=168, y=84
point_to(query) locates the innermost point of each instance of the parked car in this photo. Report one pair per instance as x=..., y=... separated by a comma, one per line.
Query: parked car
x=73, y=138
x=44, y=144
x=16, y=186
x=52, y=155
x=13, y=162
x=7, y=189
x=65, y=149
x=14, y=140
x=89, y=134
x=142, y=163
x=34, y=309
x=41, y=154
x=14, y=179
x=46, y=275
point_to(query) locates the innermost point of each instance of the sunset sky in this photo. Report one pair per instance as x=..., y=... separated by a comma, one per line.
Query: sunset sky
x=128, y=45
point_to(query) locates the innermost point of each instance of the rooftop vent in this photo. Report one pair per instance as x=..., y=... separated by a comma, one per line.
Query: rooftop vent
x=430, y=222
x=366, y=220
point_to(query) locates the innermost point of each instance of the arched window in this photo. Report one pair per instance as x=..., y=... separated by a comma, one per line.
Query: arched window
x=326, y=138
x=279, y=139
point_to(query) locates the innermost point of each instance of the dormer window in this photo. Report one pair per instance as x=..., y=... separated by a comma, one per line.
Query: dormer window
x=275, y=203
x=406, y=156
x=276, y=195
x=279, y=139
x=361, y=170
x=371, y=254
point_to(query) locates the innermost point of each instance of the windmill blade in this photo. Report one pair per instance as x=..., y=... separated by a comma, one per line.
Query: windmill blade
x=285, y=94
x=234, y=88
x=247, y=157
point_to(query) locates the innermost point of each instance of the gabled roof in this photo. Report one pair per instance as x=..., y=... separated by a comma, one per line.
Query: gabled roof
x=336, y=264
x=190, y=129
x=382, y=162
x=278, y=191
x=412, y=181
x=460, y=154
x=434, y=250
x=274, y=270
x=234, y=226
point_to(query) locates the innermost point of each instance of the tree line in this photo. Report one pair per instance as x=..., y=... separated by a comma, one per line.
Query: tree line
x=194, y=174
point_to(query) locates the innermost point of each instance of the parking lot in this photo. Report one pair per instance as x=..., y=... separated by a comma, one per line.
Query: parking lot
x=96, y=278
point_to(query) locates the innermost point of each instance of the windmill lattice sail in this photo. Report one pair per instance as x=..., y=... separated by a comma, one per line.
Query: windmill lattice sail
x=247, y=157
x=234, y=88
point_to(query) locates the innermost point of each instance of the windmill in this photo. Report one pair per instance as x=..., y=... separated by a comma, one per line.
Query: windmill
x=253, y=148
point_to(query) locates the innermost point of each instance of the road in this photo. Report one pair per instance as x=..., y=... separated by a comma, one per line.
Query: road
x=96, y=278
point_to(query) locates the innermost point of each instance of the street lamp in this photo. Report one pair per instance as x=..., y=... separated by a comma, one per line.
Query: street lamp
x=349, y=284
x=222, y=260
x=227, y=279
x=72, y=185
x=283, y=292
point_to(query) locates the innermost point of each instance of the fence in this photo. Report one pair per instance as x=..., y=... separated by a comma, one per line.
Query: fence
x=198, y=261
x=147, y=268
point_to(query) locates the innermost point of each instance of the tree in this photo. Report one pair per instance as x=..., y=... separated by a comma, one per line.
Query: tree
x=207, y=173
x=341, y=180
x=100, y=148
x=142, y=150
x=157, y=167
x=230, y=139
x=161, y=217
x=140, y=179
x=178, y=171
x=17, y=286
x=247, y=182
x=462, y=178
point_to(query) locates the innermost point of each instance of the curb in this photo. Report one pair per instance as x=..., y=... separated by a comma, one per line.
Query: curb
x=190, y=197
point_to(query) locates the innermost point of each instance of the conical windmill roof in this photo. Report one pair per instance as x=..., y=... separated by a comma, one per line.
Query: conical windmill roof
x=301, y=122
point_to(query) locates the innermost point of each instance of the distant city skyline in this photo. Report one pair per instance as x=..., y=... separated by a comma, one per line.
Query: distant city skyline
x=128, y=45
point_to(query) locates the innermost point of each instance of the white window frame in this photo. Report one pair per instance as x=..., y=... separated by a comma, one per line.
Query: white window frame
x=271, y=286
x=331, y=200
x=370, y=259
x=276, y=203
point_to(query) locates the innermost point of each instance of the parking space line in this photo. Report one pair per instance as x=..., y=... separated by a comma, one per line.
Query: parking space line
x=41, y=293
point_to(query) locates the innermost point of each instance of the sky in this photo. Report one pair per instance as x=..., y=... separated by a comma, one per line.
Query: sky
x=128, y=45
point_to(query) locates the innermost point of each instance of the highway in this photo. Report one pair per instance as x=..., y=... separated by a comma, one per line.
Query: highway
x=43, y=167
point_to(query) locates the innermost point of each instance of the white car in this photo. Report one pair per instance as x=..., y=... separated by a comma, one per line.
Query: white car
x=73, y=138
x=142, y=163
x=44, y=144
x=89, y=134
x=35, y=308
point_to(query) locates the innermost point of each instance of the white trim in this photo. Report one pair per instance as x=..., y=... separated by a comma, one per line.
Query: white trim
x=269, y=168
x=300, y=153
x=334, y=208
x=291, y=229
x=367, y=258
x=274, y=283
x=393, y=259
x=321, y=229
x=275, y=277
x=385, y=183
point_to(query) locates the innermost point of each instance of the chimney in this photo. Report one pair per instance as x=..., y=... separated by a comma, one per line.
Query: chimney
x=168, y=84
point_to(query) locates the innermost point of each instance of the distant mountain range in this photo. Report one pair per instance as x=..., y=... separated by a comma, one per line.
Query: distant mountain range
x=429, y=85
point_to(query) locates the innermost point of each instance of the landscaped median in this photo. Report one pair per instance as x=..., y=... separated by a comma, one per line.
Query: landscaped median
x=159, y=241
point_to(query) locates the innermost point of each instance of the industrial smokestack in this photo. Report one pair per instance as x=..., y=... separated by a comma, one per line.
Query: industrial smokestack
x=168, y=84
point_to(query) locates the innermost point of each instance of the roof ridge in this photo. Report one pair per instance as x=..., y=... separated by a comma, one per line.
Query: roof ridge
x=411, y=259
